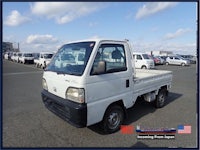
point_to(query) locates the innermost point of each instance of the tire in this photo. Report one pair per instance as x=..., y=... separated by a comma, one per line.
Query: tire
x=44, y=65
x=143, y=67
x=182, y=64
x=113, y=119
x=161, y=98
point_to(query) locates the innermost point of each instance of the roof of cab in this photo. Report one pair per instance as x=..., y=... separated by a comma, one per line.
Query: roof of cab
x=97, y=40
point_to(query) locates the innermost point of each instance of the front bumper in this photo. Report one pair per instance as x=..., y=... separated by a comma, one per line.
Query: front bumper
x=74, y=113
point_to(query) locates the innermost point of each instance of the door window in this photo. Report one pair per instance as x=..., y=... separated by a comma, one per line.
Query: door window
x=113, y=56
x=139, y=57
x=177, y=58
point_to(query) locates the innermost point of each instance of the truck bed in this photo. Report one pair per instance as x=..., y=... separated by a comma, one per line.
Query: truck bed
x=150, y=80
x=144, y=73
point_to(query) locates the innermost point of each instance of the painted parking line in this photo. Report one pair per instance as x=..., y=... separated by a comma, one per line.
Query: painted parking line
x=22, y=73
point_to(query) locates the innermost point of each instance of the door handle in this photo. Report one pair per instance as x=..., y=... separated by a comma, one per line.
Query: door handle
x=127, y=83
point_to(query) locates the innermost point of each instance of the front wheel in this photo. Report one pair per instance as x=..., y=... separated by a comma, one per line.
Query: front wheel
x=161, y=98
x=113, y=119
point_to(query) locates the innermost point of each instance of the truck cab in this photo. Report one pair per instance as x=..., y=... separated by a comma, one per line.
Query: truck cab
x=102, y=86
x=143, y=61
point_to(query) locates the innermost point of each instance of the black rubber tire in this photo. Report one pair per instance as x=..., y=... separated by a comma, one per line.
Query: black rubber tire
x=183, y=64
x=161, y=98
x=143, y=67
x=113, y=119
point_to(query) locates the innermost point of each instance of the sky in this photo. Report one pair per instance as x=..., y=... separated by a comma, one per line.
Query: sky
x=46, y=26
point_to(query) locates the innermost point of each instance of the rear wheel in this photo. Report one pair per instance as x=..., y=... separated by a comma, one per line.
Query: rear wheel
x=113, y=119
x=183, y=64
x=44, y=65
x=144, y=67
x=161, y=98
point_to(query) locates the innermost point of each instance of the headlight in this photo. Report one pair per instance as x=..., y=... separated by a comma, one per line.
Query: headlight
x=75, y=94
x=44, y=84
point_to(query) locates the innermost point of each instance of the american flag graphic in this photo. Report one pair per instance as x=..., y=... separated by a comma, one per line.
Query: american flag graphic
x=184, y=129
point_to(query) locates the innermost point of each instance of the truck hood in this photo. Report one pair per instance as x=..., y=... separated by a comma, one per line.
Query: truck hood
x=58, y=83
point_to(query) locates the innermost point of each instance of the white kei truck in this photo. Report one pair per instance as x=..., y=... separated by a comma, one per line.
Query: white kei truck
x=43, y=59
x=101, y=87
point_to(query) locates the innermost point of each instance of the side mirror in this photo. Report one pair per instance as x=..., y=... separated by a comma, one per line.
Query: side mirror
x=100, y=69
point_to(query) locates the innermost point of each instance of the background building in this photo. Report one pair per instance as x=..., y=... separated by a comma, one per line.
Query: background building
x=160, y=53
x=8, y=47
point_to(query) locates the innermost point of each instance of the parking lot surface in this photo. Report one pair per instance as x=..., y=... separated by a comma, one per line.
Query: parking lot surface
x=27, y=123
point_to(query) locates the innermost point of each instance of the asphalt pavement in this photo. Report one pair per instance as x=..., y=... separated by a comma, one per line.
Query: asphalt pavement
x=27, y=123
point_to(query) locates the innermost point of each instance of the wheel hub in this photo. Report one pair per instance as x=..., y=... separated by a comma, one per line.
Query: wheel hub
x=113, y=120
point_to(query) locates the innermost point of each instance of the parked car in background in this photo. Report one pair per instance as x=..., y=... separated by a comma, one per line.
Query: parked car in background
x=26, y=57
x=17, y=55
x=43, y=59
x=13, y=56
x=193, y=59
x=162, y=61
x=143, y=61
x=158, y=60
x=164, y=58
x=10, y=54
x=6, y=56
x=190, y=58
x=36, y=56
x=177, y=60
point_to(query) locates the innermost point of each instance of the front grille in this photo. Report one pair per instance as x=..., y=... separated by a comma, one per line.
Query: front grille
x=73, y=113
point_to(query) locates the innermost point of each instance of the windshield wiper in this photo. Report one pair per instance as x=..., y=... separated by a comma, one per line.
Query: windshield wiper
x=58, y=72
x=64, y=72
x=68, y=73
x=61, y=72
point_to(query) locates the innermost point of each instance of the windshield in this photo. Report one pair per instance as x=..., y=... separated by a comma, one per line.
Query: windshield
x=71, y=58
x=28, y=55
x=47, y=56
x=145, y=56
